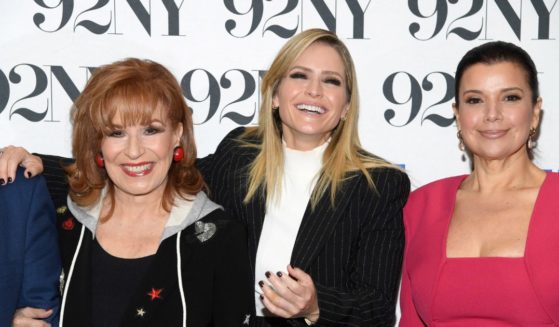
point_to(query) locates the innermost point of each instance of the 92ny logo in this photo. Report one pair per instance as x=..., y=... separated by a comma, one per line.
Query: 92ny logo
x=438, y=18
x=265, y=17
x=39, y=93
x=433, y=82
x=103, y=16
x=30, y=84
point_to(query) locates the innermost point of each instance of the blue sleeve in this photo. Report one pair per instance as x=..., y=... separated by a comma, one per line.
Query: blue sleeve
x=41, y=272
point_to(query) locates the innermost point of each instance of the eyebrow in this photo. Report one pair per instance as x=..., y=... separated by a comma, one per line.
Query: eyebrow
x=120, y=126
x=508, y=89
x=157, y=122
x=324, y=72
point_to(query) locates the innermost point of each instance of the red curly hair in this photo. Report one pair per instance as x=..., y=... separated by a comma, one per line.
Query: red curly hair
x=133, y=89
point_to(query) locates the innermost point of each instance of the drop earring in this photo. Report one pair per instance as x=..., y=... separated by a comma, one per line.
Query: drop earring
x=461, y=145
x=531, y=142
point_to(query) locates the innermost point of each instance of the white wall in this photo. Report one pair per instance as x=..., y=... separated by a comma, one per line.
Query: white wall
x=44, y=41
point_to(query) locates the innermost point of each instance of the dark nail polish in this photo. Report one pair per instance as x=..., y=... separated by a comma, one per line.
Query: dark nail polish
x=2, y=181
x=279, y=274
x=268, y=274
x=261, y=283
x=261, y=297
x=10, y=179
x=28, y=174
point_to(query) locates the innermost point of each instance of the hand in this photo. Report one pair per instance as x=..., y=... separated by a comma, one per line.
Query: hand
x=30, y=317
x=11, y=157
x=290, y=295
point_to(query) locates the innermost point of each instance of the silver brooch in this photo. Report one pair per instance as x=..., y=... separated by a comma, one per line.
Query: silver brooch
x=204, y=231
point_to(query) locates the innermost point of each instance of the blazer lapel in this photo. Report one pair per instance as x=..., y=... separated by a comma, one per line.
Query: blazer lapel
x=255, y=211
x=318, y=225
x=251, y=214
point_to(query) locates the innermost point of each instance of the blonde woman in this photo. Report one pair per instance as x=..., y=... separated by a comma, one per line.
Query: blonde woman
x=324, y=217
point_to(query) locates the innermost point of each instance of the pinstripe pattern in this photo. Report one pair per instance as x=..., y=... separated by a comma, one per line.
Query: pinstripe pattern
x=353, y=251
x=56, y=178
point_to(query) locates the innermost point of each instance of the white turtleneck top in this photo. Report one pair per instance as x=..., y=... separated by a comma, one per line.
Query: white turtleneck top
x=285, y=213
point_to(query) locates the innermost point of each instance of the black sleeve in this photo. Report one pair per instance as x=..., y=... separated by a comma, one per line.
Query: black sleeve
x=55, y=176
x=210, y=165
x=379, y=258
x=233, y=289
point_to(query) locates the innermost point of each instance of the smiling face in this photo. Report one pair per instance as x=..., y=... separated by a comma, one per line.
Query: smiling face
x=138, y=157
x=496, y=113
x=312, y=97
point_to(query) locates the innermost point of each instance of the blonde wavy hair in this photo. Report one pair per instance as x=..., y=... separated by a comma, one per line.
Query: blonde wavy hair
x=343, y=154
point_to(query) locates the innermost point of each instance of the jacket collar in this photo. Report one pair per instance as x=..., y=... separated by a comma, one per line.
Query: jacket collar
x=183, y=213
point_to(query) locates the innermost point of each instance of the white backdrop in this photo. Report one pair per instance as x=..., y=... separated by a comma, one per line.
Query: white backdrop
x=405, y=53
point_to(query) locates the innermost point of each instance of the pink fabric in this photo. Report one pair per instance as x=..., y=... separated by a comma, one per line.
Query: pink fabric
x=425, y=273
x=487, y=291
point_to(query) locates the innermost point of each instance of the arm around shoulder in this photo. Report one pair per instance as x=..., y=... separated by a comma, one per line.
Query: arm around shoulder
x=210, y=165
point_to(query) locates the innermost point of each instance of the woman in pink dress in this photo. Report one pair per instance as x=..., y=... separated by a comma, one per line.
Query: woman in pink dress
x=482, y=249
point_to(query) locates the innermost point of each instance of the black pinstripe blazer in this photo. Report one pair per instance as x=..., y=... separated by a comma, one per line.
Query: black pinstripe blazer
x=353, y=251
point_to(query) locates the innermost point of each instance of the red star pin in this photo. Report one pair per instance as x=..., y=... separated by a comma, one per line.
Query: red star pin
x=155, y=293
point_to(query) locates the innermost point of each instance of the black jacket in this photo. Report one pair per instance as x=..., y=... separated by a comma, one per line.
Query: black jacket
x=353, y=251
x=215, y=275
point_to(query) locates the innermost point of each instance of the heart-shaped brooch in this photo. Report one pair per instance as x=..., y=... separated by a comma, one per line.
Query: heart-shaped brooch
x=204, y=231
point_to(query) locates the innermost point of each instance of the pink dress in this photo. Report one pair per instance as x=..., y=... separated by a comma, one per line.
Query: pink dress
x=487, y=291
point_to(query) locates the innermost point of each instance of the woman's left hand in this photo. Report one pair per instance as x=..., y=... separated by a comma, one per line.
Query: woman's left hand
x=290, y=295
x=11, y=157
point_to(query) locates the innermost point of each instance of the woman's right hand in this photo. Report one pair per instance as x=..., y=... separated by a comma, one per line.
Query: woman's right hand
x=31, y=317
x=11, y=157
